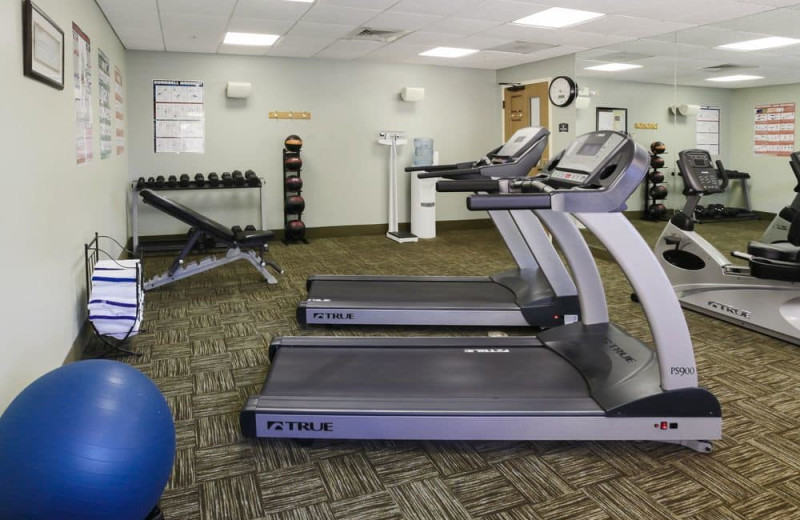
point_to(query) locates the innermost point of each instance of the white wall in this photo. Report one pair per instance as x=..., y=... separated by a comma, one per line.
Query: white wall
x=648, y=103
x=547, y=69
x=772, y=181
x=344, y=168
x=51, y=206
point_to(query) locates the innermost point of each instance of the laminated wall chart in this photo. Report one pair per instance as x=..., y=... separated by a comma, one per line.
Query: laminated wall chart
x=707, y=129
x=774, y=129
x=179, y=122
x=119, y=110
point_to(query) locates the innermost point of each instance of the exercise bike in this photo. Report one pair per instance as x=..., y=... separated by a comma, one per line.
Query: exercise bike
x=763, y=296
x=779, y=227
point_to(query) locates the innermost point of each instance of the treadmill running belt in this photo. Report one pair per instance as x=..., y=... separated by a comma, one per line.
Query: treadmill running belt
x=482, y=292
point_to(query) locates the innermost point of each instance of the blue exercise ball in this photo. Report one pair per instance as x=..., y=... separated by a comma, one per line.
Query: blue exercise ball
x=90, y=440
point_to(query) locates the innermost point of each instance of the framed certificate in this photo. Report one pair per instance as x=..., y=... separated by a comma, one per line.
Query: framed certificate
x=43, y=47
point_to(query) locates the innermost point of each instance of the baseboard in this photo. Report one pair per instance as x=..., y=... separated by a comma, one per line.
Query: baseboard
x=79, y=345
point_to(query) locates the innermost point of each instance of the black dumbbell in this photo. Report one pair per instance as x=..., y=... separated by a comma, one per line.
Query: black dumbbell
x=249, y=227
x=184, y=180
x=172, y=181
x=238, y=178
x=251, y=178
x=151, y=182
x=227, y=180
x=213, y=179
x=141, y=183
x=160, y=181
x=236, y=229
x=199, y=180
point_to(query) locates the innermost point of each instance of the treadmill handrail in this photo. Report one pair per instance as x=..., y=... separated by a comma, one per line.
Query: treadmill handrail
x=468, y=185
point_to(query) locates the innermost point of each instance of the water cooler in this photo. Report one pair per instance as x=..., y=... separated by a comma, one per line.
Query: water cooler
x=423, y=191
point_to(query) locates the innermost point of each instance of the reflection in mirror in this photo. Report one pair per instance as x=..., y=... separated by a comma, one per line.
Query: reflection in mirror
x=718, y=86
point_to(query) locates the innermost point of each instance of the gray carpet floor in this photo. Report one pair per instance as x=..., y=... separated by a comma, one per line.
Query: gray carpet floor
x=205, y=345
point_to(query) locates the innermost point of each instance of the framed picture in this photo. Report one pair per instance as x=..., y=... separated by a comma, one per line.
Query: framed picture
x=612, y=119
x=43, y=47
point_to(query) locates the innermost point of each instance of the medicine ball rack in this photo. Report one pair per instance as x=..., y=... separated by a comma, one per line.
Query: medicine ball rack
x=294, y=230
x=231, y=181
x=655, y=191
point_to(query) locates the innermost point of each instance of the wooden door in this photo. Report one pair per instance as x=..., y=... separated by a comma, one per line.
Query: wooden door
x=527, y=105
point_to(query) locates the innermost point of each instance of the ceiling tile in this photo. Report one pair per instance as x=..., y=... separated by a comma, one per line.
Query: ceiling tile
x=203, y=7
x=430, y=39
x=778, y=22
x=299, y=46
x=402, y=21
x=323, y=13
x=256, y=25
x=243, y=50
x=502, y=10
x=455, y=25
x=349, y=49
x=378, y=5
x=192, y=33
x=321, y=30
x=270, y=9
x=630, y=26
x=693, y=11
x=439, y=7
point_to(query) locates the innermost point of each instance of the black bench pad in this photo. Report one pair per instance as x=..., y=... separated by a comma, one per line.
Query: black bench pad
x=210, y=227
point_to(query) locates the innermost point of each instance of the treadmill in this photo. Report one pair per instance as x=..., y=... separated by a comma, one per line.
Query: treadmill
x=778, y=230
x=539, y=292
x=583, y=381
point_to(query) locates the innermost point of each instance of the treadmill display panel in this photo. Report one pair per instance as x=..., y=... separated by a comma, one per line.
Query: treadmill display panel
x=522, y=139
x=586, y=156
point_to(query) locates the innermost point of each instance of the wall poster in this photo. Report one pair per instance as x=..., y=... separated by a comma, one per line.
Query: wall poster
x=104, y=82
x=707, y=129
x=119, y=110
x=179, y=123
x=774, y=129
x=82, y=73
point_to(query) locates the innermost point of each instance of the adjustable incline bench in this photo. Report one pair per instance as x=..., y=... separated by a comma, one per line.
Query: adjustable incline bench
x=205, y=226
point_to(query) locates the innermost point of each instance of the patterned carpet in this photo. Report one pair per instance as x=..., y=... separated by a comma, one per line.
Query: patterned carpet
x=205, y=346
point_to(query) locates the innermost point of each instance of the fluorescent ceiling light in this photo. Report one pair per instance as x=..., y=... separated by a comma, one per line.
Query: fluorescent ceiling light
x=735, y=77
x=255, y=39
x=760, y=44
x=613, y=67
x=558, y=17
x=448, y=52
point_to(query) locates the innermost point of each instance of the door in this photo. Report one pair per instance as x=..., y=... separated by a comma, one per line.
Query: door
x=527, y=105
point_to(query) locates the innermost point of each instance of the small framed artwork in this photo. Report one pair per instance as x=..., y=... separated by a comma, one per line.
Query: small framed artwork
x=612, y=119
x=43, y=47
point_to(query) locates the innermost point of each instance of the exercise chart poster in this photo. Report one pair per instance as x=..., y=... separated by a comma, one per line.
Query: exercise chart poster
x=179, y=117
x=119, y=110
x=104, y=83
x=774, y=129
x=82, y=75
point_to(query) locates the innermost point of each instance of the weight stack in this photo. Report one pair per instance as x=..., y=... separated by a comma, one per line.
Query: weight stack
x=655, y=189
x=293, y=202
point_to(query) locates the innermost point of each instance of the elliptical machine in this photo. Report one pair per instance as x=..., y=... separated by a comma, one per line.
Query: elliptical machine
x=779, y=227
x=763, y=296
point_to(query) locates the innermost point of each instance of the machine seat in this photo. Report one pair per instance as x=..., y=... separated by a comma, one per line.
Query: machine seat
x=770, y=269
x=782, y=251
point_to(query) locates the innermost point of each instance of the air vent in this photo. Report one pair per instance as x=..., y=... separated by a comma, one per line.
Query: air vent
x=727, y=67
x=519, y=47
x=377, y=35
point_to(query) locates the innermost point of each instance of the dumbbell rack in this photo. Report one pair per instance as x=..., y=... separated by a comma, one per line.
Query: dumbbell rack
x=288, y=215
x=173, y=243
x=653, y=179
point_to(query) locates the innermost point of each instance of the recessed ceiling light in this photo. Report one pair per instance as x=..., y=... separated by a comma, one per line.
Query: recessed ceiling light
x=735, y=77
x=558, y=17
x=237, y=38
x=448, y=52
x=760, y=44
x=613, y=67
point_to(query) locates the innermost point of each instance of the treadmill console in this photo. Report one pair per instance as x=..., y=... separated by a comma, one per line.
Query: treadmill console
x=588, y=161
x=520, y=142
x=699, y=173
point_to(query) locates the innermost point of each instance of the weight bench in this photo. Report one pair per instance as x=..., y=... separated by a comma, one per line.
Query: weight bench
x=201, y=226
